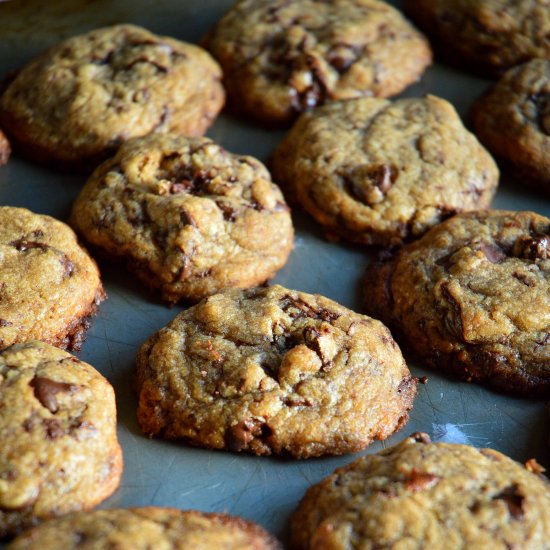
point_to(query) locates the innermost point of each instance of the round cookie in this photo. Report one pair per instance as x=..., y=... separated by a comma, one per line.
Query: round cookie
x=59, y=450
x=472, y=297
x=187, y=216
x=280, y=58
x=78, y=101
x=5, y=149
x=420, y=494
x=513, y=120
x=49, y=285
x=146, y=528
x=487, y=35
x=272, y=370
x=380, y=172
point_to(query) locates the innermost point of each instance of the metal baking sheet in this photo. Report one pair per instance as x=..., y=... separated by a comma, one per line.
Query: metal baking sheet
x=163, y=473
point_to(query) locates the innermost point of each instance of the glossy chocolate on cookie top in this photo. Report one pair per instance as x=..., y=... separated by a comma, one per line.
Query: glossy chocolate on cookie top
x=186, y=215
x=381, y=172
x=472, y=297
x=77, y=102
x=273, y=371
x=59, y=451
x=280, y=58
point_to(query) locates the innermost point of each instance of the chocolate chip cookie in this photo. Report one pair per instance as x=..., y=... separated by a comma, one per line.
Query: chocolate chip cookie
x=420, y=494
x=380, y=172
x=280, y=58
x=187, y=216
x=49, y=286
x=472, y=297
x=59, y=450
x=272, y=370
x=5, y=149
x=513, y=120
x=78, y=101
x=146, y=528
x=488, y=35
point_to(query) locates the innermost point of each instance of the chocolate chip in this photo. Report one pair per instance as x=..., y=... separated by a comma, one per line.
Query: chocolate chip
x=342, y=57
x=22, y=245
x=532, y=248
x=370, y=183
x=419, y=481
x=492, y=252
x=4, y=323
x=303, y=309
x=421, y=437
x=311, y=338
x=67, y=264
x=228, y=212
x=53, y=428
x=513, y=499
x=240, y=435
x=187, y=218
x=46, y=390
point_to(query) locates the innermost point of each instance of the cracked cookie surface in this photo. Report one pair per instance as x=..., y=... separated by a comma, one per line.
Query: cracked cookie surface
x=280, y=58
x=419, y=494
x=146, y=528
x=513, y=120
x=59, y=450
x=489, y=35
x=272, y=370
x=49, y=285
x=189, y=217
x=78, y=101
x=473, y=297
x=380, y=172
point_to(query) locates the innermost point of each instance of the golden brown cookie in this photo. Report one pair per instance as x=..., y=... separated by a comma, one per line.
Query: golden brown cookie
x=513, y=120
x=59, y=451
x=420, y=494
x=486, y=35
x=78, y=101
x=188, y=217
x=147, y=528
x=5, y=149
x=380, y=172
x=280, y=58
x=49, y=285
x=272, y=370
x=472, y=297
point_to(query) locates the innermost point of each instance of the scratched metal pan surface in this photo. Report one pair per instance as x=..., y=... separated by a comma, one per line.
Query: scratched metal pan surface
x=163, y=473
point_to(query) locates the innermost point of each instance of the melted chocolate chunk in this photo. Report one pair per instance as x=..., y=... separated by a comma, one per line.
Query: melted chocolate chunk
x=240, y=435
x=492, y=252
x=513, y=499
x=533, y=248
x=22, y=245
x=419, y=481
x=302, y=309
x=46, y=390
x=369, y=184
x=53, y=428
x=421, y=437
